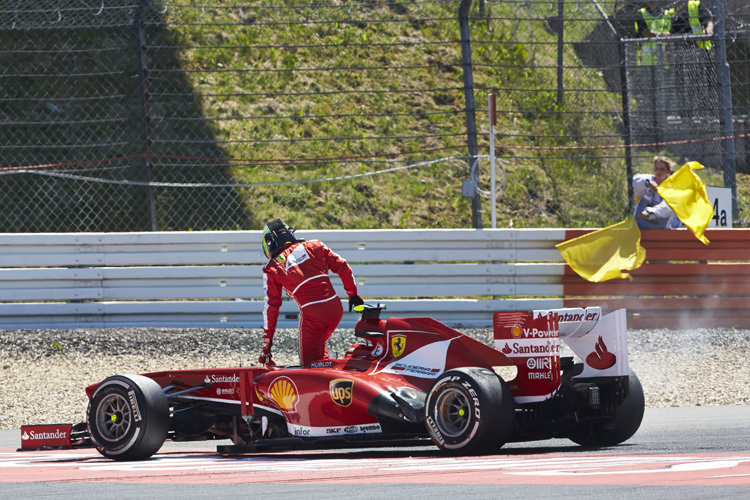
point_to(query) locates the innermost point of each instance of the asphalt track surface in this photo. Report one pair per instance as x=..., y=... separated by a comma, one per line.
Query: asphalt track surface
x=685, y=453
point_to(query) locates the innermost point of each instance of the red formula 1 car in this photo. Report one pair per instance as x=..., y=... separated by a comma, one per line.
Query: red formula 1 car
x=408, y=380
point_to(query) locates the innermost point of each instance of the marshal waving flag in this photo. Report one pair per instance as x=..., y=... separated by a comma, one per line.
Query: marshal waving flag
x=686, y=194
x=604, y=254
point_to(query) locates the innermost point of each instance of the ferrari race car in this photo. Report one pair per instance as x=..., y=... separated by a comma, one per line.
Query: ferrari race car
x=406, y=381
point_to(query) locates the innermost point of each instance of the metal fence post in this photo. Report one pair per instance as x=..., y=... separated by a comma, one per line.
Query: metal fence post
x=626, y=124
x=560, y=42
x=725, y=105
x=471, y=126
x=145, y=114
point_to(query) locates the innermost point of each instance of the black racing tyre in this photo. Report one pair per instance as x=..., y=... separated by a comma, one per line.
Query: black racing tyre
x=621, y=427
x=469, y=410
x=128, y=417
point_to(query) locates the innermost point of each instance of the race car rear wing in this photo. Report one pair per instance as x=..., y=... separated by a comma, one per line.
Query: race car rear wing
x=532, y=340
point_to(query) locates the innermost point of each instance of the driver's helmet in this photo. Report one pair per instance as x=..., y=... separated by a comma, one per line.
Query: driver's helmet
x=276, y=237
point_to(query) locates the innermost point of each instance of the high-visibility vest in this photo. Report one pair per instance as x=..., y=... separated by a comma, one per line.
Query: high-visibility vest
x=695, y=23
x=647, y=54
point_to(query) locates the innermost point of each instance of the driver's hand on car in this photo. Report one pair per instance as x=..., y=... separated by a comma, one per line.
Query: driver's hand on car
x=355, y=300
x=265, y=357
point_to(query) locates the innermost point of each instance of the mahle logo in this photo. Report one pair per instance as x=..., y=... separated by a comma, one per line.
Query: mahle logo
x=341, y=391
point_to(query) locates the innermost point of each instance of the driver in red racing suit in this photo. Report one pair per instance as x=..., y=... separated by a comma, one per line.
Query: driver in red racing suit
x=300, y=268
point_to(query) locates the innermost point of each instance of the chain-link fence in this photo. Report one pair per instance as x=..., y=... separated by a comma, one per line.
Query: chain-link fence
x=131, y=115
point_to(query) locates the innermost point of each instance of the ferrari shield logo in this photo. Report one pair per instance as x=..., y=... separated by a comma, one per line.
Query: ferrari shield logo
x=398, y=344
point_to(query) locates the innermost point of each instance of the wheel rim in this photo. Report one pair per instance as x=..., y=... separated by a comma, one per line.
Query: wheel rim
x=452, y=413
x=113, y=417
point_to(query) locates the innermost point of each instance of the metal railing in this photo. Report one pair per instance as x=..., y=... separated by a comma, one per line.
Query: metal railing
x=214, y=279
x=459, y=277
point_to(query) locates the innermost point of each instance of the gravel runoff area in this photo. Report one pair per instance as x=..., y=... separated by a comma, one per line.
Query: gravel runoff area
x=45, y=372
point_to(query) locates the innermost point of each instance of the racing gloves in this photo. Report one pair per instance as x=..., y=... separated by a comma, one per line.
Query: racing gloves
x=355, y=300
x=265, y=357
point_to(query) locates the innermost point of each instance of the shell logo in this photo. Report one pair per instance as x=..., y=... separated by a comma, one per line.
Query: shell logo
x=515, y=331
x=284, y=393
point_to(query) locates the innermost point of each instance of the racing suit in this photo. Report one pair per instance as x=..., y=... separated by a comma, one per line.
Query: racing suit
x=301, y=270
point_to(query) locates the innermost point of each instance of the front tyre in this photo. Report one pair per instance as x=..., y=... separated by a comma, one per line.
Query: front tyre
x=128, y=417
x=469, y=410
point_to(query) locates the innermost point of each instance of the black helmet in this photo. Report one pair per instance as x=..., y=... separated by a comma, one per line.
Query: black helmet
x=276, y=236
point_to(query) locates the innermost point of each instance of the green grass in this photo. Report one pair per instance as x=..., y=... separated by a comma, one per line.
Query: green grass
x=538, y=191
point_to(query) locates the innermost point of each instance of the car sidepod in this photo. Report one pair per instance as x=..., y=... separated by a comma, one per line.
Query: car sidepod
x=317, y=403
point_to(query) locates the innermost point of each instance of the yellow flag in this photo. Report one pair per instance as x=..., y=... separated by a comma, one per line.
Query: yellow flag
x=686, y=194
x=604, y=254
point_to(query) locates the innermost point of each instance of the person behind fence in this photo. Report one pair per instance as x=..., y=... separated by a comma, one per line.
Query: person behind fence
x=693, y=17
x=300, y=268
x=653, y=20
x=651, y=211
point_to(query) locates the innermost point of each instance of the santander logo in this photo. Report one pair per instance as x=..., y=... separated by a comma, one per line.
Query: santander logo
x=222, y=379
x=57, y=434
x=601, y=358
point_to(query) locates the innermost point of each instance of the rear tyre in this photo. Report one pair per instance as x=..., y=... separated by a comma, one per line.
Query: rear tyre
x=623, y=424
x=469, y=410
x=128, y=417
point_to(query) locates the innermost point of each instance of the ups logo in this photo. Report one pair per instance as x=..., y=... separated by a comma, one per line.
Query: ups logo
x=341, y=391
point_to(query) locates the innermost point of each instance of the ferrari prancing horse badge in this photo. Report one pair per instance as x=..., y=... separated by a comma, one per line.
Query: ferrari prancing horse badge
x=398, y=344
